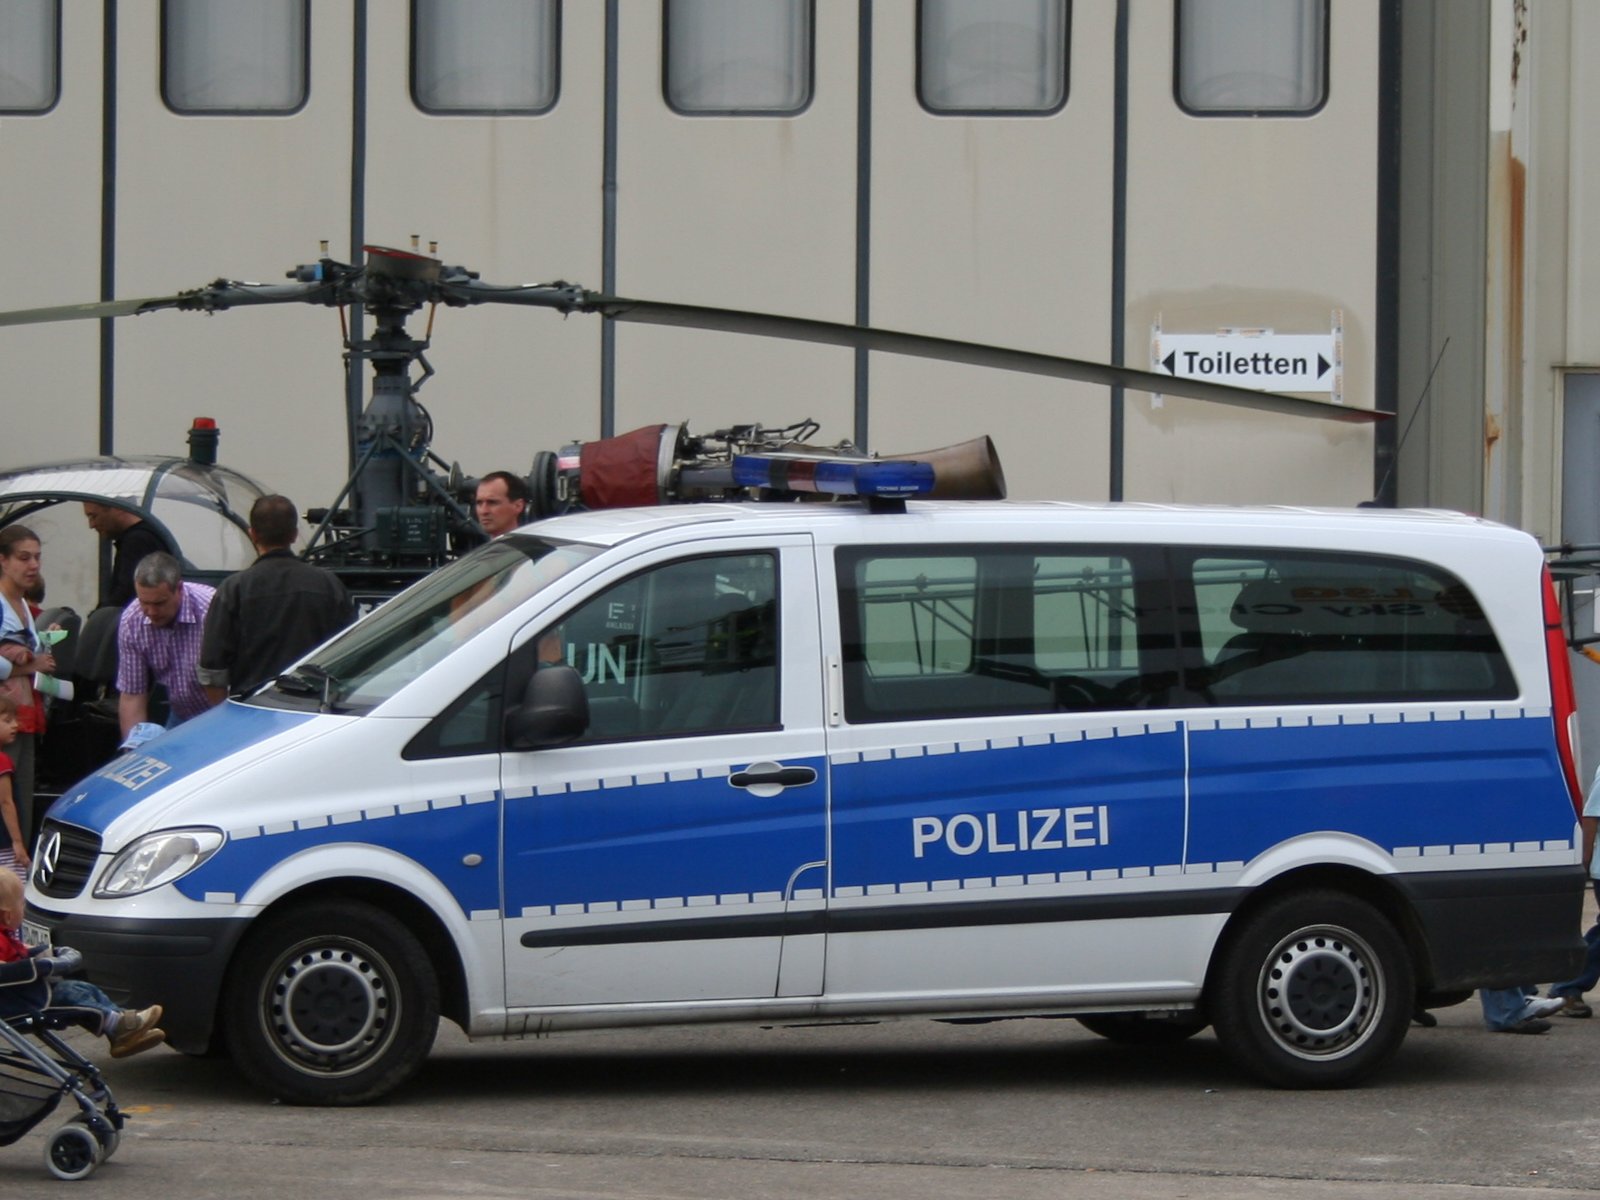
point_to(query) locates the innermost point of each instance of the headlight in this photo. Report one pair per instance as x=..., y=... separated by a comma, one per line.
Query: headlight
x=156, y=859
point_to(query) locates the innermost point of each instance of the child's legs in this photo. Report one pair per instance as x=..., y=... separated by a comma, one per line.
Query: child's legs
x=80, y=993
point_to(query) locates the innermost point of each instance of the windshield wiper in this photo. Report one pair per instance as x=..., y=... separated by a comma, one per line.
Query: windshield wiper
x=308, y=679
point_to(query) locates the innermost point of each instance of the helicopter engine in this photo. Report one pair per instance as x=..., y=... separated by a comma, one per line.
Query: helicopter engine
x=666, y=464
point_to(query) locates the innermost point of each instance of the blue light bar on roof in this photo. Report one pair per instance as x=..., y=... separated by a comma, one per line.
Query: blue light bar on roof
x=836, y=476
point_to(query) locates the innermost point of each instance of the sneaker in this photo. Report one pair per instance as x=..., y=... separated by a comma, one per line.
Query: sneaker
x=1573, y=1006
x=1526, y=1025
x=129, y=1044
x=136, y=1031
x=1538, y=1007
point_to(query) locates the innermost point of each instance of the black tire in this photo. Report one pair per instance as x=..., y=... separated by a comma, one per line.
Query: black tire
x=107, y=1134
x=1144, y=1029
x=335, y=1004
x=1314, y=990
x=72, y=1153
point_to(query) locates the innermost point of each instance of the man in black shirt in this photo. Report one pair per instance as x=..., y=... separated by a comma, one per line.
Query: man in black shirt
x=132, y=538
x=268, y=615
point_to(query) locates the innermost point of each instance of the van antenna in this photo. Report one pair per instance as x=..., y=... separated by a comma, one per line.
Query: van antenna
x=1412, y=419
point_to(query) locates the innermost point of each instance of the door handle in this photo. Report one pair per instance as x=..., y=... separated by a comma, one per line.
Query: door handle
x=770, y=778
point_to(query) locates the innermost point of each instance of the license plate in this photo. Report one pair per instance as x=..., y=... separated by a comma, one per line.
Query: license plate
x=35, y=935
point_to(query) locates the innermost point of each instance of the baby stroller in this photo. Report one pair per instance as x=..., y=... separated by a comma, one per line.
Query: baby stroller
x=38, y=1070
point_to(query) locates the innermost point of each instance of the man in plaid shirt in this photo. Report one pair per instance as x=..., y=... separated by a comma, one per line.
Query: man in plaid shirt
x=158, y=641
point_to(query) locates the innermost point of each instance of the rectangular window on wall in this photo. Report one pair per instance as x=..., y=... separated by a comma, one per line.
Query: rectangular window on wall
x=30, y=55
x=491, y=57
x=235, y=57
x=737, y=57
x=1258, y=58
x=992, y=57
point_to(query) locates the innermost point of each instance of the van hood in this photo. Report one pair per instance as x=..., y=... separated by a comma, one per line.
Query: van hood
x=199, y=751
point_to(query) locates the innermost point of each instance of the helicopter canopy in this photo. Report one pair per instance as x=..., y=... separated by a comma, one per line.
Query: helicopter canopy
x=202, y=510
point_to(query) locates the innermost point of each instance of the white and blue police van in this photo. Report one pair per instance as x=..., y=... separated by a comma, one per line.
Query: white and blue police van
x=1287, y=774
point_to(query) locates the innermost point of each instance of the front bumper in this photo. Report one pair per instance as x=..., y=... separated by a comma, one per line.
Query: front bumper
x=178, y=964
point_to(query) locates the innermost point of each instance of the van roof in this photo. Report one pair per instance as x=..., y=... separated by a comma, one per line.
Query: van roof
x=612, y=526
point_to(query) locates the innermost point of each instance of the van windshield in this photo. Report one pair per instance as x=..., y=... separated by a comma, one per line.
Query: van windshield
x=403, y=638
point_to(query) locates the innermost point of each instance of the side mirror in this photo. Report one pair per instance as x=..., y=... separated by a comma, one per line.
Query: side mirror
x=554, y=710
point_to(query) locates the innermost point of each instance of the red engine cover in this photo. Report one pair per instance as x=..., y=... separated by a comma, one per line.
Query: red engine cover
x=621, y=471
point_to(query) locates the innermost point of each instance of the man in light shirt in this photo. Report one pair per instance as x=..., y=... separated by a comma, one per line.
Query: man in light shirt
x=158, y=641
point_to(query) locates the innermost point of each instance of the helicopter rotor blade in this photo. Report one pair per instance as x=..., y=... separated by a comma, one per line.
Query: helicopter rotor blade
x=562, y=296
x=214, y=297
x=831, y=333
x=233, y=293
x=86, y=312
x=333, y=284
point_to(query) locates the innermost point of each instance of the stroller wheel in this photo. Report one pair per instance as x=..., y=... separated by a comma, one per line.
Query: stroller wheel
x=72, y=1153
x=105, y=1133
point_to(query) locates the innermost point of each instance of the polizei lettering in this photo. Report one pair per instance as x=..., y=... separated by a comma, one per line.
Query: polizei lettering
x=1007, y=833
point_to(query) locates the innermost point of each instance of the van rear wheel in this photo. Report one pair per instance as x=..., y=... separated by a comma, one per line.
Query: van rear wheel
x=332, y=1004
x=1313, y=990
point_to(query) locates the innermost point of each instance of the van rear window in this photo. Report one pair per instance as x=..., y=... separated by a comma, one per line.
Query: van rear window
x=1300, y=628
x=988, y=630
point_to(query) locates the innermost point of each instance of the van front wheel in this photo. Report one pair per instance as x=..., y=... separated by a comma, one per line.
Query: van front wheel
x=1314, y=990
x=332, y=1004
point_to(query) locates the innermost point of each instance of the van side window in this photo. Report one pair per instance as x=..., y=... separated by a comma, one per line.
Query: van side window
x=1300, y=628
x=686, y=648
x=471, y=724
x=1084, y=614
x=1003, y=629
x=917, y=616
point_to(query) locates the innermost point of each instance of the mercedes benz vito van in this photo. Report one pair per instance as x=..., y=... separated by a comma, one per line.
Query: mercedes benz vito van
x=1288, y=774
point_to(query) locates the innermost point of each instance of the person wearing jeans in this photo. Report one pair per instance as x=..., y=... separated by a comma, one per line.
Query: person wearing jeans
x=1571, y=992
x=1517, y=1010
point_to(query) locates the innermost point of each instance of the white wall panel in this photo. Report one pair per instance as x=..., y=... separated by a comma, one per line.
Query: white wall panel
x=995, y=229
x=518, y=199
x=741, y=212
x=50, y=209
x=1251, y=222
x=245, y=198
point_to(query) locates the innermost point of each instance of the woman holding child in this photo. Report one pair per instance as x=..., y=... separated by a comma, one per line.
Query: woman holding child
x=22, y=655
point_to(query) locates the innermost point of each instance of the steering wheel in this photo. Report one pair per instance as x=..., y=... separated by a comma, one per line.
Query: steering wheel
x=1078, y=691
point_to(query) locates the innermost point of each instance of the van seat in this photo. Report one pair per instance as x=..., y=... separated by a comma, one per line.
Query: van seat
x=96, y=658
